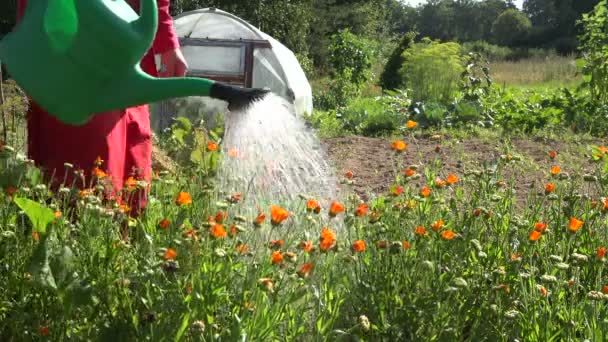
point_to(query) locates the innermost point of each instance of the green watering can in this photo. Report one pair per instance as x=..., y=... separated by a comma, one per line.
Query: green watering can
x=77, y=58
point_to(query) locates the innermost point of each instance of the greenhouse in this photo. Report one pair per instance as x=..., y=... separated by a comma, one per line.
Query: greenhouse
x=221, y=46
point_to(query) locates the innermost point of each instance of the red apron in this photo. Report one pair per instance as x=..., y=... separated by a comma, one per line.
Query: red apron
x=122, y=139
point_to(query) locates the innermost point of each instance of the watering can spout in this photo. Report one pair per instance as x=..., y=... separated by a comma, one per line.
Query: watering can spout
x=142, y=89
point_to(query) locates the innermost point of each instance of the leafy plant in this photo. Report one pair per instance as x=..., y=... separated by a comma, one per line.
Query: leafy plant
x=432, y=70
x=594, y=61
x=351, y=57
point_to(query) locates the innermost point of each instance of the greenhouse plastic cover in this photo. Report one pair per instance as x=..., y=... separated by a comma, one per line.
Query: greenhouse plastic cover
x=276, y=68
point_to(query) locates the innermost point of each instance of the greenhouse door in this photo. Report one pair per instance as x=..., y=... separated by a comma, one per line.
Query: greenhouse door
x=229, y=61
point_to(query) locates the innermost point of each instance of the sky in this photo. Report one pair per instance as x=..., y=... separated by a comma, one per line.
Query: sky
x=518, y=3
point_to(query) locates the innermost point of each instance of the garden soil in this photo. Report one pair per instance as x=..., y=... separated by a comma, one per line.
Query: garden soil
x=374, y=165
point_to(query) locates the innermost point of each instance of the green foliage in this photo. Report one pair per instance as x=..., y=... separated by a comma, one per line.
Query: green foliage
x=336, y=92
x=594, y=62
x=365, y=116
x=39, y=215
x=186, y=144
x=390, y=78
x=350, y=57
x=510, y=27
x=432, y=71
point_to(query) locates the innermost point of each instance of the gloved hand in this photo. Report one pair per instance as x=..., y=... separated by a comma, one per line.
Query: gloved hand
x=236, y=97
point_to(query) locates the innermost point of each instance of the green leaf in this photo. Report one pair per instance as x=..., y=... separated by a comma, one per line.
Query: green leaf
x=39, y=266
x=63, y=266
x=183, y=327
x=39, y=215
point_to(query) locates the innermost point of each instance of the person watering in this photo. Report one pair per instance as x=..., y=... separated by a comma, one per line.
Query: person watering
x=88, y=108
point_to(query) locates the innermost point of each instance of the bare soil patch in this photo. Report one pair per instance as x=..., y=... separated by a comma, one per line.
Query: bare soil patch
x=375, y=165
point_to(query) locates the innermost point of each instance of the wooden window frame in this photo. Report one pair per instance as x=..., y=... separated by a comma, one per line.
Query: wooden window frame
x=245, y=79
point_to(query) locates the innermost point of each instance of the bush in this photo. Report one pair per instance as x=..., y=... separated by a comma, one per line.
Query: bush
x=390, y=77
x=335, y=93
x=365, y=115
x=351, y=57
x=594, y=63
x=432, y=70
x=510, y=27
x=489, y=51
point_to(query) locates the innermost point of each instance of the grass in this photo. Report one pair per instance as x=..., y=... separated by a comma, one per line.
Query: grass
x=554, y=71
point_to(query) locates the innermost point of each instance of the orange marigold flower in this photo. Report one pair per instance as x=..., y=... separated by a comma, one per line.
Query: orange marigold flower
x=131, y=183
x=313, y=206
x=605, y=289
x=259, y=219
x=242, y=248
x=170, y=254
x=440, y=183
x=233, y=152
x=437, y=225
x=398, y=146
x=362, y=209
x=233, y=231
x=406, y=245
x=425, y=191
x=211, y=146
x=278, y=214
x=335, y=208
x=304, y=270
x=555, y=170
x=452, y=179
x=553, y=154
x=218, y=231
x=276, y=257
x=35, y=235
x=164, y=224
x=328, y=239
x=575, y=224
x=409, y=172
x=276, y=243
x=221, y=216
x=57, y=214
x=605, y=204
x=535, y=235
x=420, y=231
x=190, y=233
x=543, y=291
x=601, y=252
x=398, y=190
x=183, y=198
x=99, y=173
x=306, y=246
x=235, y=198
x=540, y=226
x=349, y=174
x=549, y=188
x=448, y=235
x=11, y=190
x=358, y=246
x=124, y=208
x=411, y=124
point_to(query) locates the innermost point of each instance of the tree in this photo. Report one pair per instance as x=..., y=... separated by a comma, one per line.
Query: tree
x=510, y=27
x=390, y=77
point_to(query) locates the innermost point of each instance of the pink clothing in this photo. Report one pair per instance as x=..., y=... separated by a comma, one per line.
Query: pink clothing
x=121, y=138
